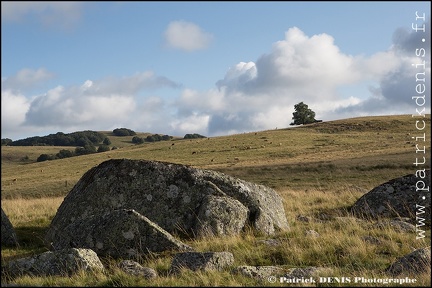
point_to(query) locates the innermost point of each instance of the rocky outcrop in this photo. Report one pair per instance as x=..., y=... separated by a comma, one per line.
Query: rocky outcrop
x=201, y=261
x=8, y=235
x=136, y=269
x=119, y=233
x=180, y=199
x=399, y=197
x=416, y=262
x=397, y=225
x=61, y=263
x=260, y=272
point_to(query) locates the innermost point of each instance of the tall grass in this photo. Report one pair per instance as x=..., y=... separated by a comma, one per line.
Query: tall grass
x=341, y=247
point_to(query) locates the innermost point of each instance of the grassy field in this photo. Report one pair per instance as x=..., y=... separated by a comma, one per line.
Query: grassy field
x=318, y=169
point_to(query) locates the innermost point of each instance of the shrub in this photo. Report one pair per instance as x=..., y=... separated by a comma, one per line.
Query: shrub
x=45, y=157
x=123, y=132
x=137, y=140
x=103, y=148
x=64, y=154
x=193, y=136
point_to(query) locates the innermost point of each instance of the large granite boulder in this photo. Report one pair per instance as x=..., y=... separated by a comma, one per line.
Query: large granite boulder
x=8, y=235
x=118, y=233
x=400, y=197
x=182, y=200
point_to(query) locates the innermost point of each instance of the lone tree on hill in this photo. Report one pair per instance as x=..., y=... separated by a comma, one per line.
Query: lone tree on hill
x=302, y=114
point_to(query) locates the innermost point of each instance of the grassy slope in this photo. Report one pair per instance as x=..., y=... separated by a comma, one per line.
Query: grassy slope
x=360, y=152
x=318, y=168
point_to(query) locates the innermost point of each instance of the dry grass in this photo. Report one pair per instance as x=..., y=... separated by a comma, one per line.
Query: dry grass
x=319, y=170
x=341, y=246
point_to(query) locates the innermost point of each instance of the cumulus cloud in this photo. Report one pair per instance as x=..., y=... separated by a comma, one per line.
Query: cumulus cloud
x=26, y=79
x=111, y=99
x=238, y=76
x=78, y=107
x=406, y=41
x=410, y=59
x=186, y=36
x=299, y=68
x=262, y=94
x=52, y=14
x=91, y=105
x=14, y=107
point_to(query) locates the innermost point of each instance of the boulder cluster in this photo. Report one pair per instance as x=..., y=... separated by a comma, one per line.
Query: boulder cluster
x=125, y=209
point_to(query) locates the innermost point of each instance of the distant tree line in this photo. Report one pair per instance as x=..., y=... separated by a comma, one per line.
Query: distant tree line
x=151, y=138
x=86, y=142
x=6, y=141
x=81, y=138
x=87, y=149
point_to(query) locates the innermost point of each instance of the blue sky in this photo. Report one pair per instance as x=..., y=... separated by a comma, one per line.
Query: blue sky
x=213, y=68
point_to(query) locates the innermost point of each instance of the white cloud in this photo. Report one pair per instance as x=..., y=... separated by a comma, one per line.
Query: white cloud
x=129, y=84
x=192, y=101
x=93, y=102
x=26, y=78
x=13, y=109
x=261, y=95
x=186, y=36
x=396, y=86
x=52, y=14
x=194, y=123
x=238, y=76
x=93, y=105
x=66, y=106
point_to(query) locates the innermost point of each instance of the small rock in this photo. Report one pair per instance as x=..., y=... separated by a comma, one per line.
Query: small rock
x=134, y=268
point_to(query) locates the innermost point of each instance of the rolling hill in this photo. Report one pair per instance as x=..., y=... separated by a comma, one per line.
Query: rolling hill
x=361, y=152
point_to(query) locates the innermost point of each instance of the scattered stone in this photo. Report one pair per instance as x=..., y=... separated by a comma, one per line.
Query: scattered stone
x=270, y=242
x=8, y=235
x=303, y=272
x=302, y=218
x=205, y=261
x=260, y=272
x=397, y=225
x=418, y=261
x=58, y=263
x=312, y=233
x=398, y=197
x=136, y=269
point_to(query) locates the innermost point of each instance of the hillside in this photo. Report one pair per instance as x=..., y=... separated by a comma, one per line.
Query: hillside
x=319, y=170
x=359, y=152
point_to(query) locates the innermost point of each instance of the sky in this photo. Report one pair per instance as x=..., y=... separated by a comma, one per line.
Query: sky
x=212, y=68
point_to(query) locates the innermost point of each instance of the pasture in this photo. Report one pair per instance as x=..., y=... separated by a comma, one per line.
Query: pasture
x=318, y=169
